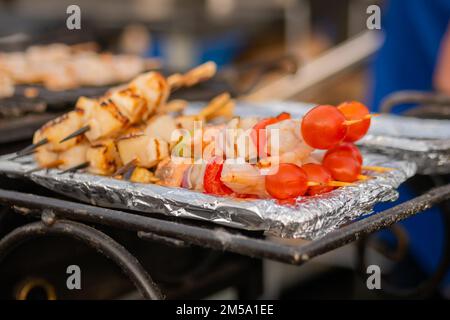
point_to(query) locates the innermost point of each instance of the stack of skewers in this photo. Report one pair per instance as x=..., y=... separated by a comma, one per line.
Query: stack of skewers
x=135, y=133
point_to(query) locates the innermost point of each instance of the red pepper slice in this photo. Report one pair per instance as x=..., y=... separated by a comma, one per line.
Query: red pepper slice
x=283, y=116
x=211, y=180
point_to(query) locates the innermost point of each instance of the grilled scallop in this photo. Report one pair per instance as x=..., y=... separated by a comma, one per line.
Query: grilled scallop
x=85, y=106
x=105, y=121
x=103, y=158
x=129, y=103
x=154, y=88
x=46, y=158
x=57, y=129
x=145, y=150
x=73, y=156
x=161, y=126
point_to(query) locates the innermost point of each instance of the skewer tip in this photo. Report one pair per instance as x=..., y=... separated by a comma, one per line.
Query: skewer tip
x=31, y=148
x=75, y=134
x=75, y=168
x=363, y=177
x=377, y=168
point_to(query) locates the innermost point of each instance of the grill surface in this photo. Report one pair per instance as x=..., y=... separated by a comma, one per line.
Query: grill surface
x=48, y=213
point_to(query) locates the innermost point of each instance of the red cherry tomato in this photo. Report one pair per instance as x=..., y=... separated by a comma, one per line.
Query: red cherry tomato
x=323, y=127
x=259, y=133
x=290, y=181
x=342, y=167
x=211, y=179
x=320, y=174
x=346, y=148
x=355, y=111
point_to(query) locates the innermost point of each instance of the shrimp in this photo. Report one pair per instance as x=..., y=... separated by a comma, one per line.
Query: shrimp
x=289, y=143
x=193, y=177
x=243, y=178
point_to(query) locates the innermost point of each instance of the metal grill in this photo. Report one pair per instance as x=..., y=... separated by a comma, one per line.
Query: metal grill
x=53, y=215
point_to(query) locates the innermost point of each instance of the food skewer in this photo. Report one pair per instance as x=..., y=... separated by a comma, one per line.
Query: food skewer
x=126, y=168
x=127, y=105
x=51, y=133
x=30, y=149
x=147, y=143
x=128, y=134
x=192, y=77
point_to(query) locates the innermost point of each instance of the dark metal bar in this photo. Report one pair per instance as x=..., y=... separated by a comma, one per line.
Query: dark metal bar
x=378, y=221
x=149, y=236
x=402, y=97
x=215, y=238
x=222, y=239
x=92, y=237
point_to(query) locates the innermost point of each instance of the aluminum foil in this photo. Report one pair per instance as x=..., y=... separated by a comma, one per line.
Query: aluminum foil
x=393, y=141
x=309, y=218
x=425, y=142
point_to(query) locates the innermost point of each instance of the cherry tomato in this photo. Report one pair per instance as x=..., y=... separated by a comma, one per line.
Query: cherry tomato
x=259, y=133
x=346, y=148
x=211, y=179
x=343, y=167
x=355, y=111
x=290, y=181
x=323, y=127
x=320, y=174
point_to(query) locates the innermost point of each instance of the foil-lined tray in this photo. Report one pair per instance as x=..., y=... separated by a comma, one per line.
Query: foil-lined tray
x=397, y=142
x=309, y=218
x=426, y=142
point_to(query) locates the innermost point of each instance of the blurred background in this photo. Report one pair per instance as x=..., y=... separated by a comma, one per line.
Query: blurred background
x=185, y=33
x=314, y=51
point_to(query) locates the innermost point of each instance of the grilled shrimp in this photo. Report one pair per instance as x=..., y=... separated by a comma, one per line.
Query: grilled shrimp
x=243, y=178
x=289, y=143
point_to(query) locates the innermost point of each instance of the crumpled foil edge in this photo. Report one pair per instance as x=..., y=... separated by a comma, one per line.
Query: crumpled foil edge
x=310, y=218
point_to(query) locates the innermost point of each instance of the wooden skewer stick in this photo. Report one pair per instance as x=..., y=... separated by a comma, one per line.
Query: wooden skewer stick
x=339, y=184
x=125, y=168
x=237, y=179
x=76, y=133
x=377, y=168
x=30, y=149
x=15, y=157
x=198, y=74
x=75, y=168
x=214, y=105
x=363, y=177
x=368, y=116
